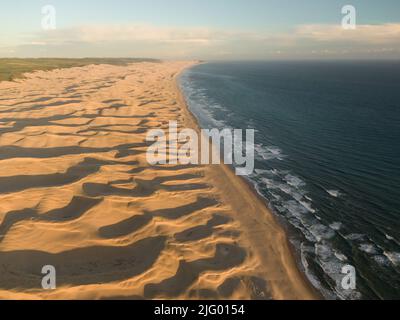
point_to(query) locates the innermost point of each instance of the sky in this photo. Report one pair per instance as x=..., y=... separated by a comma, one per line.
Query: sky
x=200, y=29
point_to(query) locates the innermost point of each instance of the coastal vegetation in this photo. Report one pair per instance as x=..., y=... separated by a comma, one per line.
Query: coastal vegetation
x=14, y=68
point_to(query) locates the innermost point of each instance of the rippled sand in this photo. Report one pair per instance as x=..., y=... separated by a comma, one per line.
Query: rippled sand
x=77, y=192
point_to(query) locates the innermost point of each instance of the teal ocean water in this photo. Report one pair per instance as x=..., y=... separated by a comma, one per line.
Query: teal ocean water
x=327, y=159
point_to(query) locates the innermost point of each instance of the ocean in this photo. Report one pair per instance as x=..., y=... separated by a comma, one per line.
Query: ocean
x=327, y=147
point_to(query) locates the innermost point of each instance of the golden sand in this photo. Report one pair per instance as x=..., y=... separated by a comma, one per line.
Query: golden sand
x=76, y=192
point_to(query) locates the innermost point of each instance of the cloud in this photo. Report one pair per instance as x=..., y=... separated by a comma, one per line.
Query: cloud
x=139, y=39
x=366, y=34
x=136, y=32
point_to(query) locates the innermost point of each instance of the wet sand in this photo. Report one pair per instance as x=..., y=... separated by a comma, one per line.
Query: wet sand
x=77, y=192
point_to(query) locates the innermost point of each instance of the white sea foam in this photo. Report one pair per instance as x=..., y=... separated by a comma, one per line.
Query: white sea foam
x=294, y=181
x=394, y=257
x=268, y=183
x=308, y=206
x=268, y=153
x=336, y=226
x=322, y=232
x=218, y=107
x=199, y=102
x=286, y=189
x=368, y=248
x=355, y=237
x=334, y=193
x=261, y=171
x=277, y=197
x=210, y=116
x=340, y=256
x=329, y=261
x=332, y=267
x=310, y=276
x=392, y=239
x=323, y=251
x=382, y=260
x=389, y=237
x=295, y=208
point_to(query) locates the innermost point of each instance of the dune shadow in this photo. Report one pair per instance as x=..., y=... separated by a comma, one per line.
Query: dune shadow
x=143, y=188
x=9, y=152
x=41, y=99
x=125, y=227
x=176, y=213
x=21, y=123
x=74, y=210
x=53, y=104
x=14, y=217
x=77, y=207
x=105, y=129
x=135, y=223
x=83, y=266
x=147, y=102
x=201, y=232
x=227, y=256
x=257, y=287
x=75, y=173
x=111, y=101
x=163, y=168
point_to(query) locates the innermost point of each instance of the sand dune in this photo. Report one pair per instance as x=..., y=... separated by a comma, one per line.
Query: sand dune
x=77, y=192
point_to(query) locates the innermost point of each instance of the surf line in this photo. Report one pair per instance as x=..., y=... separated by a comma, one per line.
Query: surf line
x=186, y=147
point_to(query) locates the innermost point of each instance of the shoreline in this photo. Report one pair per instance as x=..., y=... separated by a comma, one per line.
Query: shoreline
x=305, y=288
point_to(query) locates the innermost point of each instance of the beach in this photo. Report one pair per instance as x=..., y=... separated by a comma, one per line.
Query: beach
x=77, y=193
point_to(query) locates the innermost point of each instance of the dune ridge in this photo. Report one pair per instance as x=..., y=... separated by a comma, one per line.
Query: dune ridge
x=77, y=192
